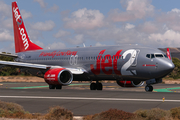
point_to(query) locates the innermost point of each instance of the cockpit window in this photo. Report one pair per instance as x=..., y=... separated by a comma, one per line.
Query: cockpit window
x=152, y=56
x=165, y=56
x=159, y=55
x=148, y=56
x=155, y=55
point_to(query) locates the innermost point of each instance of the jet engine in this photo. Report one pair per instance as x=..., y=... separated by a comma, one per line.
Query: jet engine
x=130, y=83
x=58, y=76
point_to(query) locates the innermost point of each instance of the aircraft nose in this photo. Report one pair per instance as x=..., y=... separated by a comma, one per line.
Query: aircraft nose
x=164, y=68
x=169, y=67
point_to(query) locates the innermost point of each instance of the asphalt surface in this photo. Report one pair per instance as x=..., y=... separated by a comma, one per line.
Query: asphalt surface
x=37, y=98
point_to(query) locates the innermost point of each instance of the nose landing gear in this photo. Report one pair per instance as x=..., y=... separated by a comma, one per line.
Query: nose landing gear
x=149, y=88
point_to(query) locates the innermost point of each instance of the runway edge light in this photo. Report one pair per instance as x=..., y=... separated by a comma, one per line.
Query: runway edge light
x=163, y=99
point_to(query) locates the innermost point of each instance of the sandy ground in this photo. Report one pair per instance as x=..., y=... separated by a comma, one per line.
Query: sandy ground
x=172, y=81
x=74, y=118
x=37, y=79
x=20, y=79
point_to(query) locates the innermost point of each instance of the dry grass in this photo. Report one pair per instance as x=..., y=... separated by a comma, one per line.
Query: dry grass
x=153, y=114
x=58, y=113
x=175, y=113
x=88, y=117
x=13, y=110
x=111, y=114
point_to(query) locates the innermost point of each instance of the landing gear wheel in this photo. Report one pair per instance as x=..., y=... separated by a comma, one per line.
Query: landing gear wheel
x=59, y=87
x=149, y=88
x=52, y=86
x=93, y=86
x=99, y=86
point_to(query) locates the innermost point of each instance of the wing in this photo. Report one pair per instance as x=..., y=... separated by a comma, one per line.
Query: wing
x=41, y=67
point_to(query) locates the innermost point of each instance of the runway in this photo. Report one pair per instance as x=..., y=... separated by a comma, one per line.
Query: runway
x=37, y=98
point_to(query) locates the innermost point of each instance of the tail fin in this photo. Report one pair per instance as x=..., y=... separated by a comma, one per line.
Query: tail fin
x=21, y=39
x=168, y=53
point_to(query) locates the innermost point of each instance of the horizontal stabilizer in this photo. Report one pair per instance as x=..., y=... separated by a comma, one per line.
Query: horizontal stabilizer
x=8, y=55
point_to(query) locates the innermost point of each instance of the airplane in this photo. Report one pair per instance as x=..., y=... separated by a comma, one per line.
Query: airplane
x=128, y=65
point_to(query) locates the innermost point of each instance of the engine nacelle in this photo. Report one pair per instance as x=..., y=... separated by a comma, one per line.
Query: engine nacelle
x=58, y=76
x=130, y=83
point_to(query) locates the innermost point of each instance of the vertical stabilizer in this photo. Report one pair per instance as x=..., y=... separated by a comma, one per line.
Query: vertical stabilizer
x=168, y=53
x=21, y=39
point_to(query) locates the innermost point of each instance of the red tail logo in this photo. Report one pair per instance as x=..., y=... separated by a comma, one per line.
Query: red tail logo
x=168, y=53
x=21, y=39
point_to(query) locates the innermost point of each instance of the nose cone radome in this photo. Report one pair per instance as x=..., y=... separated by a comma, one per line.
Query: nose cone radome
x=168, y=67
x=164, y=68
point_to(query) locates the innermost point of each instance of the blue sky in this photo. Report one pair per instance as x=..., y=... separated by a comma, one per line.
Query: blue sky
x=69, y=23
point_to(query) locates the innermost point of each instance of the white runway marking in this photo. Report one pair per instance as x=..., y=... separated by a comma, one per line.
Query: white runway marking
x=83, y=98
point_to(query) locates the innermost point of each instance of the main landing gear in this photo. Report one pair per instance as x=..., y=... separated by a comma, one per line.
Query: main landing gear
x=96, y=86
x=55, y=86
x=149, y=88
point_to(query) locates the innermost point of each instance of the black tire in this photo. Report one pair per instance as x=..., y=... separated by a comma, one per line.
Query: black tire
x=93, y=86
x=59, y=87
x=52, y=86
x=149, y=88
x=99, y=86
